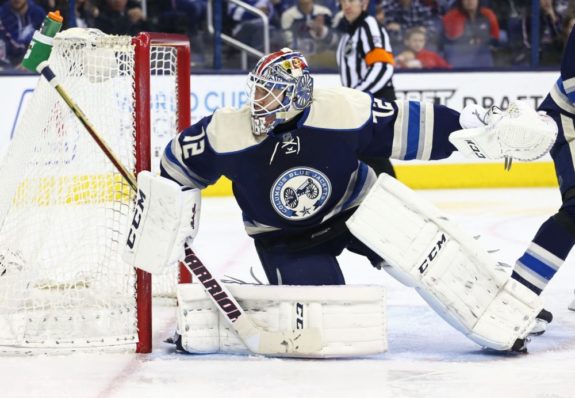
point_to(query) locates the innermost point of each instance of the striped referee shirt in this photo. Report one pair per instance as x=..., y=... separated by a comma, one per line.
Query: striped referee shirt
x=364, y=56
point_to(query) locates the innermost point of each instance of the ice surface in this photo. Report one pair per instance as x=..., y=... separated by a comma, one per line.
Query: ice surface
x=426, y=357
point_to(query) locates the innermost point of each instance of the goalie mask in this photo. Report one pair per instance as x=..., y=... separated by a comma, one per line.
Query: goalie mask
x=279, y=86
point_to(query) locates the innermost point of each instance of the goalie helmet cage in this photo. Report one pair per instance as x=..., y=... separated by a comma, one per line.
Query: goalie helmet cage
x=64, y=210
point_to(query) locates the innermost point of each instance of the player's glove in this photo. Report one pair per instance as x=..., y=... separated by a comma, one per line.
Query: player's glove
x=518, y=133
x=166, y=216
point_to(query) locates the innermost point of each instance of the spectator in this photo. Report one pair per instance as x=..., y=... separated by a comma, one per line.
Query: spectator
x=247, y=27
x=415, y=56
x=333, y=5
x=49, y=5
x=563, y=7
x=20, y=19
x=86, y=14
x=11, y=52
x=401, y=15
x=507, y=10
x=119, y=17
x=440, y=7
x=194, y=11
x=509, y=15
x=280, y=6
x=307, y=27
x=184, y=16
x=470, y=32
x=338, y=22
x=550, y=36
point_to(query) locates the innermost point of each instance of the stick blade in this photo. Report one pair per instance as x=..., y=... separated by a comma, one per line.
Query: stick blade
x=288, y=343
x=301, y=342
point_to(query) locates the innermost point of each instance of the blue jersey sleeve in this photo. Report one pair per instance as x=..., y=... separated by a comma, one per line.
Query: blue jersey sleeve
x=189, y=159
x=408, y=130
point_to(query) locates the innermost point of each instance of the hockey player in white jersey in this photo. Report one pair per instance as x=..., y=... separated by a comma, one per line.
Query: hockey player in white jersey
x=292, y=157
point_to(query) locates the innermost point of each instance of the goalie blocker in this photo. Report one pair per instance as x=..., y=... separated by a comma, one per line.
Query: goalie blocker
x=166, y=216
x=448, y=269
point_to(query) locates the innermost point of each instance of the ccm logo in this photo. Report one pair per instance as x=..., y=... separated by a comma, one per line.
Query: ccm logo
x=299, y=316
x=432, y=253
x=475, y=150
x=136, y=220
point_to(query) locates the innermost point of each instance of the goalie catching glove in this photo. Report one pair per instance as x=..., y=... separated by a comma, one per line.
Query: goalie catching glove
x=518, y=133
x=166, y=216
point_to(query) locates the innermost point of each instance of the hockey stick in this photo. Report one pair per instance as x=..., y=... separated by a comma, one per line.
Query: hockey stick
x=257, y=339
x=47, y=72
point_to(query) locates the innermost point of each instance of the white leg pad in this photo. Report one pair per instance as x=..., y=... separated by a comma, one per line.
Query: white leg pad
x=350, y=318
x=572, y=305
x=460, y=281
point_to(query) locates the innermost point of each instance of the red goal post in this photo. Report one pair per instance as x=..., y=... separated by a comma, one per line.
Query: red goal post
x=144, y=43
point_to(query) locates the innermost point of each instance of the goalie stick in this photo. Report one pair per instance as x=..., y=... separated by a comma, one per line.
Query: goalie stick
x=257, y=339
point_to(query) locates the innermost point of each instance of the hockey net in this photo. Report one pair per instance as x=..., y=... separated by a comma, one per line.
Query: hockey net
x=64, y=209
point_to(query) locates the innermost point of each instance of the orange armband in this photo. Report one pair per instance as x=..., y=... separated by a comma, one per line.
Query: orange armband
x=379, y=55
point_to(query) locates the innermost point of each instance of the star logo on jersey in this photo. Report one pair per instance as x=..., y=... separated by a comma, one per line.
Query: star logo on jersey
x=299, y=193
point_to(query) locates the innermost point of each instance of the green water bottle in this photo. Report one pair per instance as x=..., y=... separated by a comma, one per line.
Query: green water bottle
x=41, y=45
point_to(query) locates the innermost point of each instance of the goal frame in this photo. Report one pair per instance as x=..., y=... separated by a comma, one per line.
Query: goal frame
x=143, y=43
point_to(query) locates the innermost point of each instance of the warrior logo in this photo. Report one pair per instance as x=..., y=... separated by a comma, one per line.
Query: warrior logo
x=299, y=193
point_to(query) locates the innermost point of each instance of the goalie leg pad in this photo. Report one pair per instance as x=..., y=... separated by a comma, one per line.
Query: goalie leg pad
x=351, y=319
x=571, y=305
x=165, y=217
x=448, y=269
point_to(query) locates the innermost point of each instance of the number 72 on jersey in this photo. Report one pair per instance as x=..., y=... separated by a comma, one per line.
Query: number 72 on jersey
x=381, y=109
x=194, y=144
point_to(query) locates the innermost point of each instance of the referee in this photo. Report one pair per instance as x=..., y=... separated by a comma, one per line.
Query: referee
x=365, y=61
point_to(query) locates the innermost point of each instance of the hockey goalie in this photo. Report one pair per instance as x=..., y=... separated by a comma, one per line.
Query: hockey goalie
x=292, y=156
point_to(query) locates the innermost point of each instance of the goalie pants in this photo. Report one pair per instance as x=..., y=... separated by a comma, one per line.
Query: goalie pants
x=309, y=257
x=556, y=236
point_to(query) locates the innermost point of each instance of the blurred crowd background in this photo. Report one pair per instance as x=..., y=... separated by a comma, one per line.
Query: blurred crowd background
x=424, y=34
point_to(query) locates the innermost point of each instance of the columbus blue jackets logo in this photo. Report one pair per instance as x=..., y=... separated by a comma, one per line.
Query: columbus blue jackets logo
x=299, y=193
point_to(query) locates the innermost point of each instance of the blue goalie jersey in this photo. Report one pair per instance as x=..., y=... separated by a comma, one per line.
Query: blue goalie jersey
x=307, y=170
x=560, y=105
x=561, y=98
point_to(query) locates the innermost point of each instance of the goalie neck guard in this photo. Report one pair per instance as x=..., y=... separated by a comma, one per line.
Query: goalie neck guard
x=279, y=87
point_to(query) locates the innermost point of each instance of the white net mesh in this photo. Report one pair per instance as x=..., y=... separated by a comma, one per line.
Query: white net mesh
x=164, y=119
x=64, y=208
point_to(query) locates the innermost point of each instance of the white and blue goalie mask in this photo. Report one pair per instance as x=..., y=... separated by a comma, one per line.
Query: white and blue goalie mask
x=280, y=85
